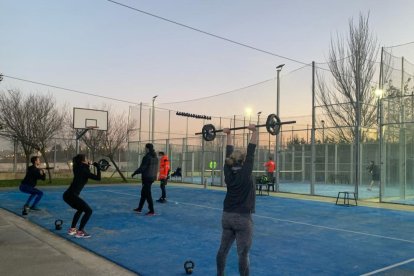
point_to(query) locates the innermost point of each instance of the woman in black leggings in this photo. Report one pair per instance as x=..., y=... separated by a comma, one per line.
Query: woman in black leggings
x=81, y=174
x=239, y=204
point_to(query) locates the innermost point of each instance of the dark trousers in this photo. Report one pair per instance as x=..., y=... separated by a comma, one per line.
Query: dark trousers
x=163, y=182
x=81, y=206
x=33, y=193
x=146, y=195
x=237, y=227
x=270, y=177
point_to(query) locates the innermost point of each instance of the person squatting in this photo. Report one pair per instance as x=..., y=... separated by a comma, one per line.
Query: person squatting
x=29, y=182
x=81, y=174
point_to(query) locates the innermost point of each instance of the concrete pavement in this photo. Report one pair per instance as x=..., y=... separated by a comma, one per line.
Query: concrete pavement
x=27, y=249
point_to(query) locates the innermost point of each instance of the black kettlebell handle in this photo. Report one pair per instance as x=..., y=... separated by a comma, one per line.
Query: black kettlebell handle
x=189, y=266
x=58, y=224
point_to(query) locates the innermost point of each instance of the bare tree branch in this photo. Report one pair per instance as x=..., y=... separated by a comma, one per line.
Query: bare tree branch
x=351, y=62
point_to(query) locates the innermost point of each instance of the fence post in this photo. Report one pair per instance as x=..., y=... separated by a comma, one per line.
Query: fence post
x=313, y=132
x=203, y=163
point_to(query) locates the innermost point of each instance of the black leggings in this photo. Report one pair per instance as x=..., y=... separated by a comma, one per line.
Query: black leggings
x=81, y=206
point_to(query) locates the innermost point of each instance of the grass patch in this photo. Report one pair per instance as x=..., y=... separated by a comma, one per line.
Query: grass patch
x=61, y=182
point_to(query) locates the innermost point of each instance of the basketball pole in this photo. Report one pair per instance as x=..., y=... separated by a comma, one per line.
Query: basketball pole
x=78, y=136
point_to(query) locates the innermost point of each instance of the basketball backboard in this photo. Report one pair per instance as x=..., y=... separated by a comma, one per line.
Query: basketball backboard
x=90, y=118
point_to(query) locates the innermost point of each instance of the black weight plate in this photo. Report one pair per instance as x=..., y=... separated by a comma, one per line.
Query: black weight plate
x=209, y=132
x=103, y=164
x=273, y=124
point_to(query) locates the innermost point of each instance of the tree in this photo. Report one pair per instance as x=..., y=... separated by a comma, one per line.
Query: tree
x=116, y=137
x=32, y=121
x=16, y=121
x=47, y=122
x=352, y=66
x=107, y=143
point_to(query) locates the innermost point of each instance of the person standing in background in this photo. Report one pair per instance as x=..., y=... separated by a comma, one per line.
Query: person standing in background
x=148, y=170
x=163, y=175
x=270, y=169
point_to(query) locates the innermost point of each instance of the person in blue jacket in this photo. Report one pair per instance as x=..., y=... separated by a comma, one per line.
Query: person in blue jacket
x=28, y=184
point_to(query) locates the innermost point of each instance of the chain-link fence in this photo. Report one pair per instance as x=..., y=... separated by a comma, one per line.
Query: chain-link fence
x=327, y=151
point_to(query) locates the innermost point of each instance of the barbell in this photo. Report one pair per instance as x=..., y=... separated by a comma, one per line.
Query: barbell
x=272, y=125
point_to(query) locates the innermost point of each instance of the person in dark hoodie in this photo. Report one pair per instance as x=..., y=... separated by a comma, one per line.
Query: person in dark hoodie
x=148, y=170
x=81, y=174
x=239, y=204
x=29, y=182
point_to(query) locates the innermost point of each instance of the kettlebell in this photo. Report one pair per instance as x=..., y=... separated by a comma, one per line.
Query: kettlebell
x=58, y=224
x=189, y=267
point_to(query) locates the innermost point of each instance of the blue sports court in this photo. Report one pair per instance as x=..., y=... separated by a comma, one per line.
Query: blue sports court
x=291, y=236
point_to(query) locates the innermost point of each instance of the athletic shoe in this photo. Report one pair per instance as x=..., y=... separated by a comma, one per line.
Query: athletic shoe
x=25, y=210
x=72, y=231
x=82, y=235
x=150, y=214
x=159, y=200
x=137, y=210
x=34, y=208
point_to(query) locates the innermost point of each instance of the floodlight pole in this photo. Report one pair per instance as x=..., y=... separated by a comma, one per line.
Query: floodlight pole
x=277, y=151
x=153, y=119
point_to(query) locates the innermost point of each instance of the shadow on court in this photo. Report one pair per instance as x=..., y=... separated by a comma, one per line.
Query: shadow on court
x=291, y=237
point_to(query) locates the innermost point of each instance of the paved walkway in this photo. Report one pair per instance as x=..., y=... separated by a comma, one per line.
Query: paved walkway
x=27, y=249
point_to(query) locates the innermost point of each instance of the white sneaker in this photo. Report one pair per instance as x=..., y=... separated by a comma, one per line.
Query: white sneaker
x=82, y=234
x=72, y=231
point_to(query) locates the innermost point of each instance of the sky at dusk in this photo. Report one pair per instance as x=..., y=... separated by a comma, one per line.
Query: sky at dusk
x=103, y=48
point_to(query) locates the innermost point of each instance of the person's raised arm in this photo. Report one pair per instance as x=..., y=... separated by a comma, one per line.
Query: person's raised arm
x=228, y=132
x=255, y=134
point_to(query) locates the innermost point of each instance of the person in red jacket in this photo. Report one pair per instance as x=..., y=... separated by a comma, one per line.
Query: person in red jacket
x=270, y=168
x=163, y=175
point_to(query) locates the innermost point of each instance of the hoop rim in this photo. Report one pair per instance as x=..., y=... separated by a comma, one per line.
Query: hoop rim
x=91, y=127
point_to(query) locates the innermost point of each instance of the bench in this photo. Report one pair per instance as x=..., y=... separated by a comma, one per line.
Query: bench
x=259, y=188
x=346, y=196
x=263, y=182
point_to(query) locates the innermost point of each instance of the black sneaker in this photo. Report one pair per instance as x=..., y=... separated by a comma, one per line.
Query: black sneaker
x=137, y=210
x=25, y=210
x=159, y=200
x=150, y=214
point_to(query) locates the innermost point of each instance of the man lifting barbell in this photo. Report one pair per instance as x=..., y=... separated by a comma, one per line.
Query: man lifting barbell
x=272, y=125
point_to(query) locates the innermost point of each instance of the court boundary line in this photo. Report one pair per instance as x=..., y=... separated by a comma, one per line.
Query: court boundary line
x=289, y=221
x=388, y=267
